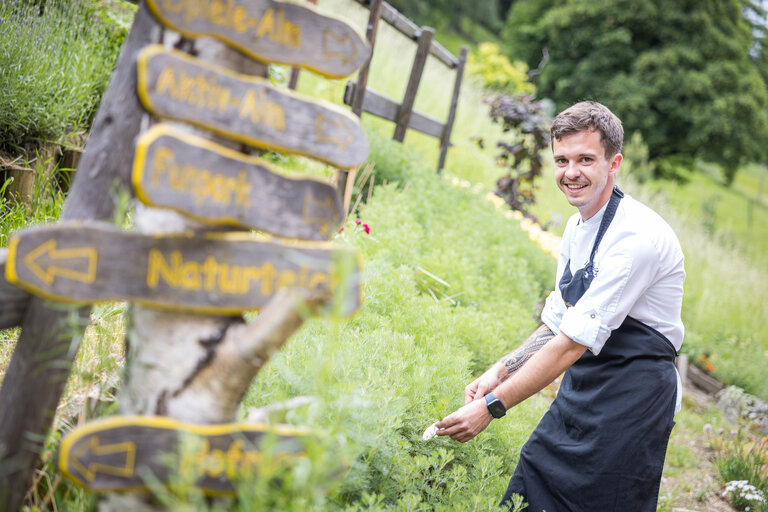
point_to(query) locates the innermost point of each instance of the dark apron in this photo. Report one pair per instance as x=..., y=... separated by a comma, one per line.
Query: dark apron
x=601, y=445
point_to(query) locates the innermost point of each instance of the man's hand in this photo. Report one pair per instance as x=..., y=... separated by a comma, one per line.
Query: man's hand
x=465, y=423
x=482, y=385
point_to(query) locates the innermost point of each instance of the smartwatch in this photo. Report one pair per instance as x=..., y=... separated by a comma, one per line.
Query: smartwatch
x=495, y=407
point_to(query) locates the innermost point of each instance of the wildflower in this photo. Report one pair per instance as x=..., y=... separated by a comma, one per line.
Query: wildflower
x=734, y=432
x=742, y=489
x=707, y=428
x=358, y=221
x=707, y=363
x=341, y=229
x=367, y=229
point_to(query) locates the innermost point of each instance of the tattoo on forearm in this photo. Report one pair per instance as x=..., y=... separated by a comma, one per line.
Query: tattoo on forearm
x=517, y=358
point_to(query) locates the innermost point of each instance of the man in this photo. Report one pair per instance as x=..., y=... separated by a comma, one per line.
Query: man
x=612, y=324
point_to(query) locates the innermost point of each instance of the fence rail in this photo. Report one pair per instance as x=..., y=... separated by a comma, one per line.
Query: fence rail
x=362, y=99
x=409, y=29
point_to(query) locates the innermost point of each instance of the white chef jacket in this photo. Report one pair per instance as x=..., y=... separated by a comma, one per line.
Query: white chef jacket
x=638, y=272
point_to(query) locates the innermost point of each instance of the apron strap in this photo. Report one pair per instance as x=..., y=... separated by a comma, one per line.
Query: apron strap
x=610, y=212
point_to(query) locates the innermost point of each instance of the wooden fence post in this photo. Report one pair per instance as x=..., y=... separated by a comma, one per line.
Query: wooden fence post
x=404, y=112
x=445, y=140
x=44, y=352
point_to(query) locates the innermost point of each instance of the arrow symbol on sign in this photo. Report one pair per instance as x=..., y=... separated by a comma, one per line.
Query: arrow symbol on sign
x=339, y=47
x=46, y=262
x=322, y=122
x=316, y=212
x=125, y=469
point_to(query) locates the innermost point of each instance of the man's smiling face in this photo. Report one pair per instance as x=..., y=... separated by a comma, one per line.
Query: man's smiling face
x=583, y=172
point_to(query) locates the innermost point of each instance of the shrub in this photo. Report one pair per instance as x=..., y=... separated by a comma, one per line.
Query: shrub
x=497, y=72
x=741, y=462
x=450, y=285
x=55, y=63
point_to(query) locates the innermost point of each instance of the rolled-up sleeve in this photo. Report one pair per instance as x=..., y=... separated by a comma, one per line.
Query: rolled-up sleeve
x=624, y=271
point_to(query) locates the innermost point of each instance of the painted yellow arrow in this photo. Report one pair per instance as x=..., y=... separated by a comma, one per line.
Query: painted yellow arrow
x=322, y=122
x=332, y=41
x=313, y=212
x=93, y=468
x=61, y=262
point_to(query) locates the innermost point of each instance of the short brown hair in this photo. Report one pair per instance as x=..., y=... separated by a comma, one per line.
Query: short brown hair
x=590, y=115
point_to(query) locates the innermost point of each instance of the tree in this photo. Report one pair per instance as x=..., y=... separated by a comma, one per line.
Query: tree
x=682, y=73
x=449, y=13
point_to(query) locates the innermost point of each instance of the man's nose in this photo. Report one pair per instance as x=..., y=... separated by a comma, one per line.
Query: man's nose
x=572, y=170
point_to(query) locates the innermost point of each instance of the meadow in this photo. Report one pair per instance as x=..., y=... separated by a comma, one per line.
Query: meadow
x=451, y=284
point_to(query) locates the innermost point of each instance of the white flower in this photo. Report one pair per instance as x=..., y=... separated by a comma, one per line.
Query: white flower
x=430, y=432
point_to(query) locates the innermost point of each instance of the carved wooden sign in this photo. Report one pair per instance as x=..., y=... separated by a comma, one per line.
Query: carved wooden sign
x=249, y=109
x=224, y=273
x=214, y=184
x=270, y=31
x=119, y=453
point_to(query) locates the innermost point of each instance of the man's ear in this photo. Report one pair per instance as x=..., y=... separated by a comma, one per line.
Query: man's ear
x=615, y=164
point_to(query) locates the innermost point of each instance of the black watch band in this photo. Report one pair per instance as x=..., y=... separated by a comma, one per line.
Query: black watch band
x=495, y=407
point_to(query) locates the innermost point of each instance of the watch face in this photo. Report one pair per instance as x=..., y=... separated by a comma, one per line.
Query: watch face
x=495, y=407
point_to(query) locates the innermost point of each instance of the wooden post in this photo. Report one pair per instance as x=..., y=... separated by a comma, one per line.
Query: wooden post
x=404, y=112
x=362, y=76
x=445, y=140
x=682, y=368
x=43, y=357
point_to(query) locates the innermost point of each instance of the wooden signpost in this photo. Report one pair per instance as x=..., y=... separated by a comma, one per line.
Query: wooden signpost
x=220, y=273
x=214, y=184
x=119, y=453
x=270, y=31
x=248, y=109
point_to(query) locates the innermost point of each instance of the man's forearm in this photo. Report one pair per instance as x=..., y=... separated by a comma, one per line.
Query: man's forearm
x=544, y=366
x=518, y=357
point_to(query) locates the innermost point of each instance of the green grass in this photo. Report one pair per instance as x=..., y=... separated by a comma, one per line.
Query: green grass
x=44, y=205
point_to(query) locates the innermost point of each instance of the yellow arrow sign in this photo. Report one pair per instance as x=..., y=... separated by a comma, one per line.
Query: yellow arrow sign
x=313, y=212
x=126, y=451
x=114, y=453
x=270, y=31
x=323, y=134
x=173, y=85
x=219, y=273
x=77, y=264
x=337, y=46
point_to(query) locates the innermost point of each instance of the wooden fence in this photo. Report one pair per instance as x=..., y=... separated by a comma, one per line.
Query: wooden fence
x=363, y=99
